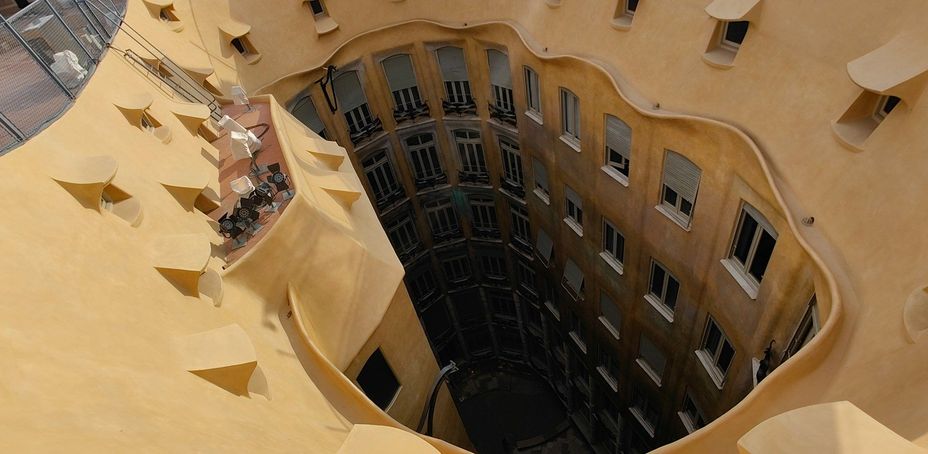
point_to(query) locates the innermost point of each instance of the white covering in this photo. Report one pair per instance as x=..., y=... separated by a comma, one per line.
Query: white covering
x=68, y=68
x=243, y=145
x=242, y=186
x=229, y=124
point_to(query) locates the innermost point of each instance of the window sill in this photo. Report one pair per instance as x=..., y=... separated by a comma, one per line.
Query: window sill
x=647, y=369
x=577, y=228
x=662, y=309
x=615, y=175
x=535, y=116
x=687, y=423
x=746, y=282
x=612, y=330
x=571, y=142
x=543, y=196
x=644, y=423
x=612, y=262
x=714, y=374
x=608, y=378
x=325, y=25
x=556, y=313
x=684, y=224
x=623, y=22
x=720, y=57
x=580, y=344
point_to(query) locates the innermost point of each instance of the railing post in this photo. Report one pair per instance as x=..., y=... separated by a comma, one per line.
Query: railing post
x=36, y=57
x=91, y=21
x=71, y=32
x=11, y=127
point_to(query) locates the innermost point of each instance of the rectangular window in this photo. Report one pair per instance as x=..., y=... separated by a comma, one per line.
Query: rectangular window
x=457, y=269
x=484, y=211
x=618, y=148
x=805, y=332
x=402, y=81
x=544, y=248
x=470, y=150
x=573, y=280
x=378, y=381
x=526, y=275
x=663, y=289
x=691, y=415
x=493, y=266
x=454, y=73
x=500, y=80
x=733, y=34
x=402, y=233
x=442, y=219
x=502, y=305
x=645, y=412
x=751, y=249
x=423, y=156
x=631, y=6
x=611, y=317
x=651, y=359
x=532, y=92
x=512, y=163
x=608, y=368
x=574, y=210
x=316, y=7
x=613, y=246
x=380, y=175
x=570, y=117
x=884, y=107
x=422, y=286
x=680, y=185
x=352, y=102
x=520, y=226
x=716, y=352
x=578, y=333
x=542, y=190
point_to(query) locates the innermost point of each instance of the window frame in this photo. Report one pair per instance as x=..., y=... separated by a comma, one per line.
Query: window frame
x=692, y=420
x=710, y=359
x=674, y=210
x=604, y=319
x=657, y=376
x=415, y=152
x=808, y=327
x=573, y=210
x=742, y=271
x=881, y=113
x=384, y=169
x=570, y=118
x=659, y=301
x=727, y=44
x=470, y=149
x=616, y=262
x=511, y=154
x=619, y=170
x=532, y=94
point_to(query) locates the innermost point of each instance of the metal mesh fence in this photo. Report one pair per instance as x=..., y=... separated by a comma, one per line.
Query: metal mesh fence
x=48, y=51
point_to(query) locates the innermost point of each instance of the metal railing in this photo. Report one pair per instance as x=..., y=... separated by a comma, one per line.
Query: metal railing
x=48, y=51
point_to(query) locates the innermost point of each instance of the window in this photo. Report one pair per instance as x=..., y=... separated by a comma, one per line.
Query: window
x=532, y=94
x=578, y=333
x=493, y=266
x=691, y=415
x=402, y=234
x=805, y=332
x=384, y=186
x=611, y=317
x=885, y=105
x=526, y=275
x=484, y=211
x=352, y=102
x=378, y=381
x=442, y=219
x=624, y=13
x=501, y=81
x=651, y=359
x=574, y=210
x=316, y=7
x=618, y=149
x=305, y=111
x=663, y=289
x=422, y=286
x=244, y=47
x=678, y=192
x=542, y=190
x=613, y=246
x=512, y=164
x=402, y=81
x=454, y=74
x=716, y=352
x=544, y=248
x=423, y=156
x=645, y=412
x=631, y=6
x=733, y=34
x=520, y=225
x=457, y=269
x=570, y=118
x=470, y=149
x=502, y=305
x=608, y=368
x=573, y=280
x=751, y=249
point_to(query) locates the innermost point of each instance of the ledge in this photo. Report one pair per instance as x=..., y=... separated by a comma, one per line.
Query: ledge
x=744, y=281
x=571, y=142
x=612, y=262
x=609, y=379
x=706, y=362
x=896, y=68
x=234, y=29
x=673, y=217
x=720, y=57
x=577, y=228
x=647, y=369
x=325, y=25
x=223, y=356
x=365, y=438
x=665, y=311
x=731, y=10
x=612, y=330
x=191, y=115
x=644, y=424
x=615, y=175
x=185, y=184
x=182, y=259
x=622, y=23
x=85, y=178
x=535, y=116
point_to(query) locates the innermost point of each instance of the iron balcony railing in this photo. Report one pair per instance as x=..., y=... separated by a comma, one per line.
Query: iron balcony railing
x=48, y=52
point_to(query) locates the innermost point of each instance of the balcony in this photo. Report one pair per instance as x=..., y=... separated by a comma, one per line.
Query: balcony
x=360, y=132
x=447, y=236
x=512, y=188
x=391, y=199
x=431, y=182
x=466, y=107
x=503, y=115
x=410, y=112
x=485, y=233
x=481, y=178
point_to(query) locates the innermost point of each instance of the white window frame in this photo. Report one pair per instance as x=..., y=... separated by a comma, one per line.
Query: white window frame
x=385, y=181
x=709, y=359
x=608, y=369
x=411, y=96
x=577, y=333
x=640, y=413
x=731, y=45
x=532, y=95
x=619, y=169
x=880, y=113
x=440, y=214
x=809, y=324
x=512, y=161
x=576, y=293
x=659, y=301
x=610, y=325
x=570, y=119
x=520, y=219
x=741, y=271
x=614, y=258
x=457, y=91
x=542, y=184
x=484, y=211
x=573, y=210
x=470, y=151
x=674, y=211
x=324, y=12
x=408, y=225
x=650, y=369
x=426, y=154
x=690, y=421
x=502, y=95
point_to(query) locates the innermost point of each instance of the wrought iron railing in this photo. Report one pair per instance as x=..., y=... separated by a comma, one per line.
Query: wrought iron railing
x=48, y=52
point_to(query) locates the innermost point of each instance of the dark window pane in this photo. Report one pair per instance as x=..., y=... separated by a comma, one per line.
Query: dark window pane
x=745, y=237
x=377, y=380
x=736, y=31
x=657, y=280
x=891, y=103
x=632, y=5
x=672, y=288
x=725, y=357
x=686, y=207
x=712, y=338
x=670, y=196
x=762, y=255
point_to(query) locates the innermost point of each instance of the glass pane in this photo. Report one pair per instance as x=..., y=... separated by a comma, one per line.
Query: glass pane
x=670, y=196
x=762, y=255
x=713, y=336
x=673, y=287
x=735, y=31
x=745, y=238
x=725, y=357
x=657, y=279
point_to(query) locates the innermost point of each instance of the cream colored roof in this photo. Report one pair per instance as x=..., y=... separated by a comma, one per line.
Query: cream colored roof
x=887, y=67
x=234, y=29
